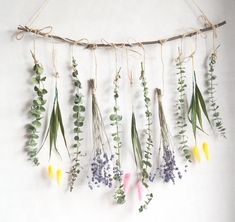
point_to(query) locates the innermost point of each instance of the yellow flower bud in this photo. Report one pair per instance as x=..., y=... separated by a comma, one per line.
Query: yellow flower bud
x=50, y=171
x=196, y=153
x=206, y=150
x=59, y=175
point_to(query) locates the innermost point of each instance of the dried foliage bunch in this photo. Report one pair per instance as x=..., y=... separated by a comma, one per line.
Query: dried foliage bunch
x=79, y=118
x=116, y=119
x=102, y=161
x=181, y=106
x=37, y=110
x=216, y=119
x=167, y=162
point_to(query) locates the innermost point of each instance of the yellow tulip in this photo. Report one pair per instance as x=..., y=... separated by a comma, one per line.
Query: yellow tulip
x=206, y=150
x=59, y=175
x=196, y=153
x=50, y=171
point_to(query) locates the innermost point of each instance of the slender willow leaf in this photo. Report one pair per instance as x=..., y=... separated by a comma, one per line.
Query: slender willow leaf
x=194, y=115
x=199, y=114
x=51, y=131
x=197, y=103
x=136, y=144
x=59, y=116
x=54, y=125
x=202, y=103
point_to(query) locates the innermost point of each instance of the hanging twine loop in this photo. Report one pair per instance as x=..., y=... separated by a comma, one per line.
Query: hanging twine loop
x=129, y=73
x=45, y=31
x=162, y=42
x=203, y=18
x=56, y=73
x=94, y=47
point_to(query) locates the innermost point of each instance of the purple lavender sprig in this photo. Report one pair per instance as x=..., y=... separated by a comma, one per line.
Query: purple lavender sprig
x=101, y=170
x=102, y=162
x=167, y=164
x=168, y=167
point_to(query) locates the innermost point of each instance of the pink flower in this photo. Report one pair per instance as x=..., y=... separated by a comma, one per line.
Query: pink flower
x=126, y=180
x=139, y=187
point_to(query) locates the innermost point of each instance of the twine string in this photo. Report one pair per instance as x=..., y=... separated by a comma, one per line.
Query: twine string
x=96, y=65
x=207, y=23
x=162, y=42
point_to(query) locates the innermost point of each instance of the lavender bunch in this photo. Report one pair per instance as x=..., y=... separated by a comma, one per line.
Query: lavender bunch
x=115, y=119
x=216, y=119
x=101, y=170
x=79, y=118
x=167, y=165
x=102, y=162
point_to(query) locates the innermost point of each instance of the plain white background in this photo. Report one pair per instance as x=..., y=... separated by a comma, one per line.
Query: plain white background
x=206, y=192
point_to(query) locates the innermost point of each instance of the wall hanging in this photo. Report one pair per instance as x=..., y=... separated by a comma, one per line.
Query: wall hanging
x=153, y=160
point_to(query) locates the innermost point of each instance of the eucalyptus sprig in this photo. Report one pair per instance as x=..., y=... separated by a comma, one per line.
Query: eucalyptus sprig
x=146, y=162
x=115, y=119
x=138, y=156
x=55, y=124
x=182, y=108
x=196, y=109
x=37, y=110
x=78, y=115
x=216, y=119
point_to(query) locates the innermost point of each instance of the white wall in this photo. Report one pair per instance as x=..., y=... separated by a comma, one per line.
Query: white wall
x=206, y=192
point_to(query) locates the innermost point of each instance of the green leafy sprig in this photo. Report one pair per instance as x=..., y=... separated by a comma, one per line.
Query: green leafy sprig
x=115, y=119
x=138, y=155
x=149, y=141
x=216, y=119
x=182, y=108
x=197, y=108
x=37, y=110
x=78, y=115
x=55, y=124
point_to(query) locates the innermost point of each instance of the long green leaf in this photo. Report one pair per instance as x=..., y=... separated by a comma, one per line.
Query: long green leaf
x=54, y=128
x=194, y=116
x=198, y=111
x=136, y=143
x=202, y=103
x=51, y=131
x=61, y=125
x=198, y=127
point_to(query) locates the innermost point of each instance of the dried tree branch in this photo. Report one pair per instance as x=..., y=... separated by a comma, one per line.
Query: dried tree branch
x=24, y=29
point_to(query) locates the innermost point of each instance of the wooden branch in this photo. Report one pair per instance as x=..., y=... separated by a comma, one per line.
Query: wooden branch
x=23, y=29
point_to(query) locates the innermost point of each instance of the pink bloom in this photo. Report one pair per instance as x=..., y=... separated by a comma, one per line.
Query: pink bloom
x=126, y=180
x=139, y=187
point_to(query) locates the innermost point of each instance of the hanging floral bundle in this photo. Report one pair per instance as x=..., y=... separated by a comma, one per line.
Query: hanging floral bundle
x=56, y=123
x=196, y=109
x=143, y=157
x=216, y=119
x=115, y=118
x=181, y=106
x=167, y=162
x=37, y=110
x=78, y=115
x=102, y=160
